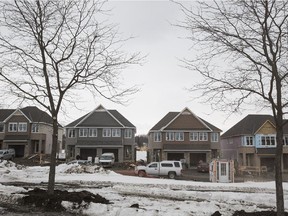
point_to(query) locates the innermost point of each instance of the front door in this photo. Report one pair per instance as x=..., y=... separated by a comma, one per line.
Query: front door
x=223, y=172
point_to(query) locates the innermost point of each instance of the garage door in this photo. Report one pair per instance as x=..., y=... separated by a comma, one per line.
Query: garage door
x=115, y=151
x=269, y=163
x=196, y=157
x=87, y=152
x=19, y=150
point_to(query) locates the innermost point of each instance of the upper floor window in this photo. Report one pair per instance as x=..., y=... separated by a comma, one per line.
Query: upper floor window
x=214, y=137
x=203, y=136
x=12, y=127
x=92, y=132
x=1, y=127
x=35, y=128
x=22, y=127
x=128, y=133
x=83, y=132
x=179, y=136
x=268, y=140
x=71, y=133
x=157, y=137
x=169, y=136
x=194, y=136
x=106, y=132
x=116, y=132
x=249, y=141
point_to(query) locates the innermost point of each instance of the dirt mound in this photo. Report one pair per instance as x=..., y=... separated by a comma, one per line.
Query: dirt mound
x=41, y=199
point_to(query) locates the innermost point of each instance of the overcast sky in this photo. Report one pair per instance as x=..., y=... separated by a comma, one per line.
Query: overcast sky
x=161, y=78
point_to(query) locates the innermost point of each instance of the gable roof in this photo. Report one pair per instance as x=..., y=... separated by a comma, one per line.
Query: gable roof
x=32, y=113
x=184, y=120
x=248, y=125
x=100, y=117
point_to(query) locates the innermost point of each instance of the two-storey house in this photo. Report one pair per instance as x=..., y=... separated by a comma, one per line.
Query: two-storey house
x=183, y=136
x=101, y=131
x=27, y=130
x=252, y=142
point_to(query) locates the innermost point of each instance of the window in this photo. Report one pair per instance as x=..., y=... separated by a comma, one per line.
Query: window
x=116, y=132
x=193, y=136
x=106, y=132
x=268, y=141
x=71, y=133
x=157, y=137
x=128, y=133
x=1, y=127
x=177, y=164
x=166, y=165
x=203, y=136
x=35, y=128
x=249, y=140
x=153, y=165
x=92, y=132
x=12, y=127
x=214, y=137
x=223, y=169
x=22, y=127
x=83, y=132
x=169, y=136
x=179, y=136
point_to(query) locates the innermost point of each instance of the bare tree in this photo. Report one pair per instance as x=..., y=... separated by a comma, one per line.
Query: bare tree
x=49, y=49
x=241, y=52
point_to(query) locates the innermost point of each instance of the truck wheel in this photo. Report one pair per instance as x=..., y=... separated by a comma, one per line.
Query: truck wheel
x=171, y=175
x=141, y=173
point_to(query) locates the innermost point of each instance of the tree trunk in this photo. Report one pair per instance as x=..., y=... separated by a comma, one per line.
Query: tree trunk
x=278, y=172
x=51, y=182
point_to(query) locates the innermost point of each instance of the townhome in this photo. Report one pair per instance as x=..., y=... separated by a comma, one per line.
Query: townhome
x=101, y=131
x=252, y=142
x=27, y=130
x=183, y=136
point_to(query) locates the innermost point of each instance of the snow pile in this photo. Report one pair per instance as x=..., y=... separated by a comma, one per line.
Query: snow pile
x=7, y=166
x=76, y=168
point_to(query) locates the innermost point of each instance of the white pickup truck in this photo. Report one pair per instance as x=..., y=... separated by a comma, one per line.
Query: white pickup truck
x=163, y=168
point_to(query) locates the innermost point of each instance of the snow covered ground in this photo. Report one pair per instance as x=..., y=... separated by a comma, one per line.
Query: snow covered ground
x=154, y=196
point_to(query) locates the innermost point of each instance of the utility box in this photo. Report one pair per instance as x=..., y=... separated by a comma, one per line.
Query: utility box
x=221, y=170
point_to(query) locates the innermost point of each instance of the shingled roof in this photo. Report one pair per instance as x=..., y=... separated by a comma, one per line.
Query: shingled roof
x=100, y=117
x=192, y=122
x=31, y=112
x=248, y=125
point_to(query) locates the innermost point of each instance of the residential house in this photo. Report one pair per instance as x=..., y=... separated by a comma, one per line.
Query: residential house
x=183, y=136
x=252, y=142
x=27, y=130
x=101, y=131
